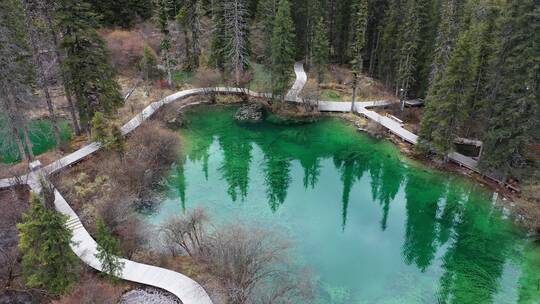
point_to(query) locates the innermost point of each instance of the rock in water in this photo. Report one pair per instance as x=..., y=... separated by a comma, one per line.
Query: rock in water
x=252, y=112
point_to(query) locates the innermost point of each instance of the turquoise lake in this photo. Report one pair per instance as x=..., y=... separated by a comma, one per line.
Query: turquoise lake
x=372, y=225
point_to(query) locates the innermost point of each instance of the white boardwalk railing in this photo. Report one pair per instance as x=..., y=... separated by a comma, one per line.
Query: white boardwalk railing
x=187, y=290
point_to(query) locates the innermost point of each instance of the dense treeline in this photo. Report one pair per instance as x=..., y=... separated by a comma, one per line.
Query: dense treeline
x=475, y=62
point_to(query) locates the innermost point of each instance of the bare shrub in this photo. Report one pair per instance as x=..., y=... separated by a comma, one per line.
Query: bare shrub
x=206, y=77
x=251, y=263
x=126, y=47
x=185, y=233
x=13, y=204
x=152, y=148
x=92, y=290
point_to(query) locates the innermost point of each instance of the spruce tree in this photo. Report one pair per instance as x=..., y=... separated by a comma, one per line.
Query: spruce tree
x=359, y=28
x=450, y=97
x=44, y=241
x=514, y=117
x=283, y=52
x=108, y=251
x=91, y=76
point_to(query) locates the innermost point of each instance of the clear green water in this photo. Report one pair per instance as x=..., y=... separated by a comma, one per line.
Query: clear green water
x=373, y=226
x=40, y=133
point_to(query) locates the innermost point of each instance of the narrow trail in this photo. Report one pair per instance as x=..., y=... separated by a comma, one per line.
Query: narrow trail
x=186, y=289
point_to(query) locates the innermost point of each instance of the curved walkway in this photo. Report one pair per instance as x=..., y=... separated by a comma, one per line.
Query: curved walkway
x=187, y=290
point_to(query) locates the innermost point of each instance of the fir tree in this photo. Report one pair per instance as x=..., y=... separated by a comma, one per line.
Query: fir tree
x=359, y=27
x=91, y=76
x=283, y=51
x=108, y=251
x=44, y=241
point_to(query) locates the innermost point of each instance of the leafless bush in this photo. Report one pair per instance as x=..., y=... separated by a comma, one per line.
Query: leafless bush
x=92, y=290
x=12, y=205
x=152, y=148
x=185, y=233
x=126, y=47
x=205, y=77
x=251, y=263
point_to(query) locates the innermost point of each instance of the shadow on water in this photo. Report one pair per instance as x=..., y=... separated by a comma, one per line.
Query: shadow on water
x=405, y=234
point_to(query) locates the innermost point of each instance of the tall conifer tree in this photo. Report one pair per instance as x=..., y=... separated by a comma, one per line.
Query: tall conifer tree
x=283, y=51
x=91, y=76
x=48, y=261
x=359, y=28
x=514, y=117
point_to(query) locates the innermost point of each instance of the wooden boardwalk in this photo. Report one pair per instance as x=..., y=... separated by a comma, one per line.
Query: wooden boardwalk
x=85, y=247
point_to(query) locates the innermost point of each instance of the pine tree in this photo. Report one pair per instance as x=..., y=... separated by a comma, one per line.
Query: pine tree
x=283, y=51
x=108, y=251
x=359, y=27
x=320, y=50
x=514, y=117
x=44, y=241
x=91, y=76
